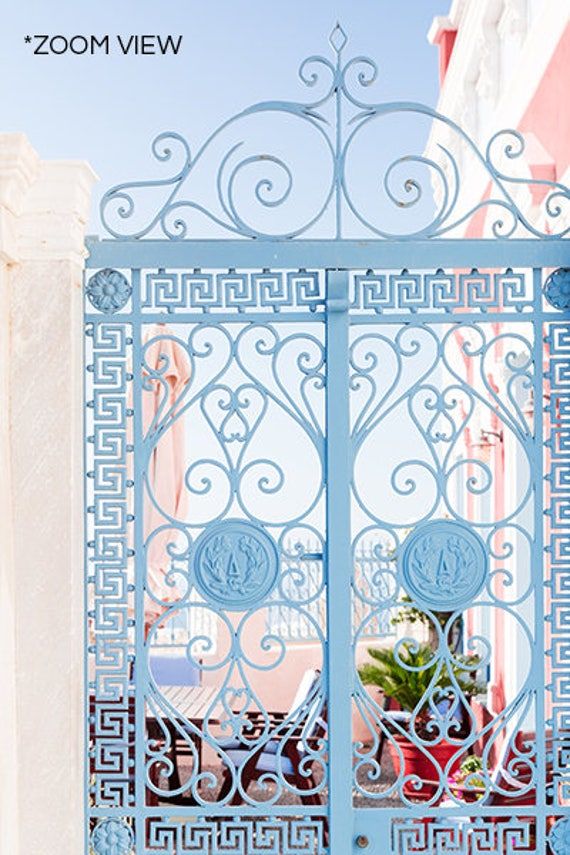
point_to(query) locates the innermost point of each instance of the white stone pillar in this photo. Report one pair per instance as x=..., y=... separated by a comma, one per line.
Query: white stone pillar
x=46, y=207
x=17, y=168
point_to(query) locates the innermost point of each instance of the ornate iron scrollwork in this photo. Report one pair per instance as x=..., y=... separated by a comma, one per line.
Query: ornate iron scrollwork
x=243, y=363
x=337, y=119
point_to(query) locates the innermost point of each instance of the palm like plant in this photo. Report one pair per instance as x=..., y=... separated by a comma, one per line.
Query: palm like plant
x=408, y=678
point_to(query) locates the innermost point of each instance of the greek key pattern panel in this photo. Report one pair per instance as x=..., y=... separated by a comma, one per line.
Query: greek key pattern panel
x=557, y=502
x=236, y=836
x=109, y=697
x=458, y=837
x=232, y=291
x=409, y=291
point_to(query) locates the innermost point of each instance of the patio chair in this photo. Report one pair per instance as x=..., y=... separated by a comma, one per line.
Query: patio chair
x=174, y=671
x=285, y=751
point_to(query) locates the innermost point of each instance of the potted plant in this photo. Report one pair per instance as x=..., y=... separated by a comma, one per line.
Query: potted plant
x=409, y=616
x=409, y=678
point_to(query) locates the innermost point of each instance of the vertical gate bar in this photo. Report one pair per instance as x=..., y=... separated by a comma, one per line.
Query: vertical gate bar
x=339, y=573
x=86, y=597
x=139, y=668
x=538, y=562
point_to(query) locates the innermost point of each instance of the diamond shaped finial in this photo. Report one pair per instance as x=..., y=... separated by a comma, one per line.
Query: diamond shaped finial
x=338, y=38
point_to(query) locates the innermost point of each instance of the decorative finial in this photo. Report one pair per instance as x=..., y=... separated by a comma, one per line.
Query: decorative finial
x=338, y=38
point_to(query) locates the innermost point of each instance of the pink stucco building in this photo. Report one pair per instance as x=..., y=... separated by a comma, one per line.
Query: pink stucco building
x=504, y=64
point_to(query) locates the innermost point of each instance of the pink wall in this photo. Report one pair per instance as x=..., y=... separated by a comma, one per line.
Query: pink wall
x=547, y=117
x=445, y=40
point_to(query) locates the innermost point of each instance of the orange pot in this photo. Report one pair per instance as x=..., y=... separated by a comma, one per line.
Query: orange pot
x=416, y=763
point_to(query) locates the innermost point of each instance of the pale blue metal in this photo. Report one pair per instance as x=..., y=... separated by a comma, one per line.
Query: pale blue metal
x=112, y=837
x=235, y=564
x=344, y=403
x=444, y=561
x=340, y=664
x=557, y=289
x=108, y=291
x=559, y=837
x=310, y=254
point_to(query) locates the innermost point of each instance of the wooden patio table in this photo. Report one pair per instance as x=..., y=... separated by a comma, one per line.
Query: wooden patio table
x=193, y=702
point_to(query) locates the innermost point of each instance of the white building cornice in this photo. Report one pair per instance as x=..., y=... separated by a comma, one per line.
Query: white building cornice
x=498, y=62
x=19, y=166
x=523, y=77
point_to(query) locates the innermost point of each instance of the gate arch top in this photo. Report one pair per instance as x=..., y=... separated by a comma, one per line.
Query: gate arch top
x=338, y=117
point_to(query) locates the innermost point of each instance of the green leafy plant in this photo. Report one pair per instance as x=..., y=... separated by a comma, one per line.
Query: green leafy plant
x=466, y=783
x=409, y=613
x=407, y=679
x=471, y=764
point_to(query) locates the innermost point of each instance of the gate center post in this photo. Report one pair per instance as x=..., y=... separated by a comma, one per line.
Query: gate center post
x=339, y=566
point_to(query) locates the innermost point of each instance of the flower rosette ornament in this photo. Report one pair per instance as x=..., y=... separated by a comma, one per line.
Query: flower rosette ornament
x=559, y=838
x=557, y=289
x=108, y=291
x=112, y=837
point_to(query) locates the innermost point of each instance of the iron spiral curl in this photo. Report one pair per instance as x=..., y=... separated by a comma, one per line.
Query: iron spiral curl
x=338, y=117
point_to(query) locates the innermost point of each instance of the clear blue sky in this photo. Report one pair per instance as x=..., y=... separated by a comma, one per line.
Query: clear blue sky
x=107, y=109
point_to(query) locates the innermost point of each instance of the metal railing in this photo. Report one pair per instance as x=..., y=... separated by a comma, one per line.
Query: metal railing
x=300, y=604
x=296, y=608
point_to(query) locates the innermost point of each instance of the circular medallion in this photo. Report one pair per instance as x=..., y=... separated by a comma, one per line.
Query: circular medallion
x=559, y=838
x=112, y=837
x=443, y=565
x=108, y=291
x=557, y=288
x=236, y=564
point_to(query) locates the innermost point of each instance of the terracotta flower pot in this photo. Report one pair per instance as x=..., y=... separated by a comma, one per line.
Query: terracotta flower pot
x=416, y=763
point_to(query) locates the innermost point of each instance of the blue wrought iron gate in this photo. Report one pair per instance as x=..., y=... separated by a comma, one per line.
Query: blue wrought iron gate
x=301, y=450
